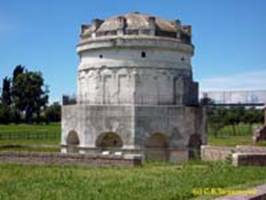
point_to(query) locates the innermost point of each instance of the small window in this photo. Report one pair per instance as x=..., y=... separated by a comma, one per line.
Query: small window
x=100, y=56
x=143, y=54
x=182, y=59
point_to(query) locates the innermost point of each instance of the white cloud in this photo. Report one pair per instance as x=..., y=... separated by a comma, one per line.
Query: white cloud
x=255, y=80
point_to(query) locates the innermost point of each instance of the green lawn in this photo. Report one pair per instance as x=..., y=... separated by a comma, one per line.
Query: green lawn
x=229, y=140
x=30, y=134
x=26, y=137
x=152, y=181
x=227, y=137
x=29, y=148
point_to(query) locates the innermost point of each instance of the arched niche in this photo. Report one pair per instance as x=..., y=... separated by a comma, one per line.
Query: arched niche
x=156, y=147
x=109, y=140
x=72, y=141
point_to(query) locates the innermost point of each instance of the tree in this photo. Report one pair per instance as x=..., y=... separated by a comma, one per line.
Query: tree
x=4, y=114
x=16, y=92
x=53, y=112
x=29, y=94
x=205, y=100
x=219, y=117
x=19, y=69
x=6, y=92
x=216, y=119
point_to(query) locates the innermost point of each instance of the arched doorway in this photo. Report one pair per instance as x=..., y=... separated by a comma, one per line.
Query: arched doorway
x=156, y=147
x=109, y=140
x=72, y=141
x=194, y=144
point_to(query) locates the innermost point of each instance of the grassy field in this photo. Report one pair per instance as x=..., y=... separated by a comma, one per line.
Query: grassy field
x=237, y=130
x=229, y=140
x=30, y=137
x=30, y=134
x=152, y=181
x=227, y=137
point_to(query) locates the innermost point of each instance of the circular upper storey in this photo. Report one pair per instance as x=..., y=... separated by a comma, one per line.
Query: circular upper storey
x=135, y=26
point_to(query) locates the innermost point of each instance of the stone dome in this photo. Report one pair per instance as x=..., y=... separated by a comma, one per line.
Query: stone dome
x=136, y=24
x=135, y=21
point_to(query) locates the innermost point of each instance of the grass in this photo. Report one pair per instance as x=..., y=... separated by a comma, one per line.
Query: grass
x=152, y=181
x=30, y=134
x=29, y=148
x=30, y=138
x=229, y=140
x=226, y=136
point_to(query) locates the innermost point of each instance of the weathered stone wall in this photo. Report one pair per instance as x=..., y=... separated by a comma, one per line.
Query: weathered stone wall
x=119, y=73
x=259, y=134
x=135, y=125
x=143, y=85
x=69, y=159
x=215, y=153
x=240, y=155
x=90, y=121
x=249, y=159
x=250, y=149
x=131, y=57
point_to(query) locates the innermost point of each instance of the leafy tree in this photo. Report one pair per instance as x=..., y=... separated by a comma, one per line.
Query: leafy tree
x=29, y=94
x=4, y=114
x=219, y=117
x=24, y=96
x=216, y=119
x=205, y=100
x=6, y=92
x=19, y=69
x=17, y=107
x=53, y=112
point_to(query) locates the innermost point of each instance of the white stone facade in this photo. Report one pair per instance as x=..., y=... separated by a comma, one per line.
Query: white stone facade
x=135, y=80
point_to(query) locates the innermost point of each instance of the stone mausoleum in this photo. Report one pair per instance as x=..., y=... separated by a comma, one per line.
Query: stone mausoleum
x=136, y=92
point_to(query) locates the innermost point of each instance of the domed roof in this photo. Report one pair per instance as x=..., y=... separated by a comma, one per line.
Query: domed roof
x=137, y=21
x=137, y=24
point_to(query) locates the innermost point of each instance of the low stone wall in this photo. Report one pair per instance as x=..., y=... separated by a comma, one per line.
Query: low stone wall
x=214, y=153
x=249, y=159
x=70, y=159
x=240, y=155
x=259, y=134
x=250, y=149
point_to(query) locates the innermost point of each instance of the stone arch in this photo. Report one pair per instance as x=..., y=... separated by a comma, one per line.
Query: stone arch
x=109, y=140
x=156, y=147
x=72, y=141
x=194, y=144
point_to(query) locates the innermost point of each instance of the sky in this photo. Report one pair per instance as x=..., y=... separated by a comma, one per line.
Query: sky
x=229, y=38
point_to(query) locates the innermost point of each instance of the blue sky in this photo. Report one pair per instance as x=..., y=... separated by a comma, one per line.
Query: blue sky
x=229, y=36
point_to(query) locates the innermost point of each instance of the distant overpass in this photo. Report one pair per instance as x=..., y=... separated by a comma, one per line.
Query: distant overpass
x=238, y=104
x=236, y=98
